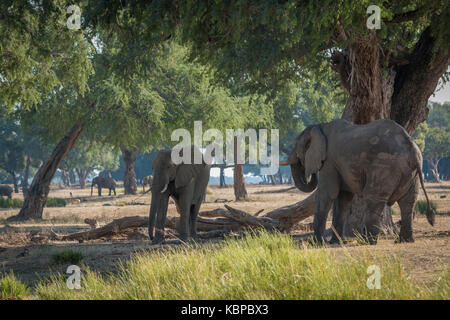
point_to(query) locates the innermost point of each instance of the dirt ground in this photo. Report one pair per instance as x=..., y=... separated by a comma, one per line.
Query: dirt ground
x=31, y=261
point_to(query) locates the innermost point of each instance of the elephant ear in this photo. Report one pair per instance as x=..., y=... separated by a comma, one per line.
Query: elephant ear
x=316, y=153
x=185, y=174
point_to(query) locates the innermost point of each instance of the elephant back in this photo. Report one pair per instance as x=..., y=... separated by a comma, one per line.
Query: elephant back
x=5, y=190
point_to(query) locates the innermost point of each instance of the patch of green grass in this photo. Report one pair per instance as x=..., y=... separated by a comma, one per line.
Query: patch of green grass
x=67, y=256
x=18, y=203
x=10, y=203
x=261, y=266
x=56, y=202
x=421, y=206
x=12, y=289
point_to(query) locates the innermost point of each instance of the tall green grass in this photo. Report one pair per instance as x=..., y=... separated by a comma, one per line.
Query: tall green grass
x=261, y=266
x=12, y=289
x=421, y=206
x=18, y=203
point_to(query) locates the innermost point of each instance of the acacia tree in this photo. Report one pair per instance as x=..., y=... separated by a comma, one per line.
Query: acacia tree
x=437, y=147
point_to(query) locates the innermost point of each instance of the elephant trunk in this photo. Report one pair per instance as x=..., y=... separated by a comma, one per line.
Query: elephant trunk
x=298, y=173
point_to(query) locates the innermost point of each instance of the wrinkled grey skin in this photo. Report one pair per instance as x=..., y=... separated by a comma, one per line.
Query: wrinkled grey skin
x=186, y=184
x=147, y=181
x=6, y=190
x=104, y=182
x=378, y=161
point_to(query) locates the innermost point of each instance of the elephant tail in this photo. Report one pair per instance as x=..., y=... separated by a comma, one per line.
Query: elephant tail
x=430, y=211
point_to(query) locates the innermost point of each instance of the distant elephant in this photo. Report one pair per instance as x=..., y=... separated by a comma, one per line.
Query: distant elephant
x=6, y=190
x=378, y=160
x=104, y=182
x=147, y=181
x=186, y=184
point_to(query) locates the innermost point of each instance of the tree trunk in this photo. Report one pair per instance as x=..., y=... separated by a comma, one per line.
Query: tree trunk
x=434, y=169
x=72, y=177
x=222, y=177
x=40, y=187
x=240, y=192
x=16, y=185
x=82, y=174
x=129, y=176
x=26, y=176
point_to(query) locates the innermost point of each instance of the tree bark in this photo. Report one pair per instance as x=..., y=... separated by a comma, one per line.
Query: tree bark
x=222, y=177
x=26, y=176
x=434, y=169
x=240, y=192
x=37, y=195
x=16, y=185
x=129, y=176
x=82, y=174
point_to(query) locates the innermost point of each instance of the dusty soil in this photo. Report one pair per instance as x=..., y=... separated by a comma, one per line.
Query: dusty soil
x=31, y=261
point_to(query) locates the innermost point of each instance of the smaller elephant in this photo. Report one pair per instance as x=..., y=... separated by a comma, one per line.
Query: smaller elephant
x=104, y=182
x=6, y=190
x=147, y=181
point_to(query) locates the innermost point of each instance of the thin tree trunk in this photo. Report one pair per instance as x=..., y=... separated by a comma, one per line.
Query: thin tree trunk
x=72, y=177
x=222, y=178
x=434, y=169
x=82, y=174
x=240, y=192
x=16, y=185
x=26, y=176
x=129, y=176
x=40, y=187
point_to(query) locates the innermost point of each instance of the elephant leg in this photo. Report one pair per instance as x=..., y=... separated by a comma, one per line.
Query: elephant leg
x=161, y=219
x=341, y=209
x=115, y=191
x=109, y=191
x=406, y=204
x=193, y=219
x=374, y=211
x=99, y=189
x=185, y=201
x=322, y=207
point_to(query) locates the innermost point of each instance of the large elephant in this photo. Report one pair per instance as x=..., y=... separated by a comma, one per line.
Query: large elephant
x=6, y=190
x=104, y=182
x=147, y=181
x=378, y=160
x=186, y=184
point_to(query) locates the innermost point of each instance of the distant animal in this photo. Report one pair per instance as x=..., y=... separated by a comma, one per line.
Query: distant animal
x=147, y=181
x=186, y=184
x=6, y=190
x=104, y=182
x=378, y=161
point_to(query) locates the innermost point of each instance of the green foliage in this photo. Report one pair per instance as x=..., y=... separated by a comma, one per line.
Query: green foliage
x=12, y=289
x=421, y=206
x=10, y=203
x=18, y=203
x=55, y=202
x=437, y=143
x=38, y=53
x=255, y=267
x=67, y=256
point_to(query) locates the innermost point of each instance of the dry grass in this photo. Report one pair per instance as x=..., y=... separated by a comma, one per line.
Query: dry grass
x=424, y=260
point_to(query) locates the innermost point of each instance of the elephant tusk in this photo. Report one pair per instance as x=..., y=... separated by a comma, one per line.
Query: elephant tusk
x=165, y=188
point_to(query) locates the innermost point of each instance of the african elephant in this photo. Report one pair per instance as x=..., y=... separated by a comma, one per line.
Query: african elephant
x=378, y=160
x=6, y=190
x=186, y=184
x=147, y=181
x=104, y=182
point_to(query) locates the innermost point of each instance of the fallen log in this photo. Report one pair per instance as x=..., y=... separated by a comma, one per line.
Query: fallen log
x=283, y=219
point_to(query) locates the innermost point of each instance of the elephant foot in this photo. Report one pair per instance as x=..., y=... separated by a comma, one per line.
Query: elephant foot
x=334, y=240
x=372, y=240
x=402, y=238
x=157, y=240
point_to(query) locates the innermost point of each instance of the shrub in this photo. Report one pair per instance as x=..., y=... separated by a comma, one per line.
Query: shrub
x=12, y=289
x=10, y=203
x=56, y=202
x=67, y=256
x=421, y=206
